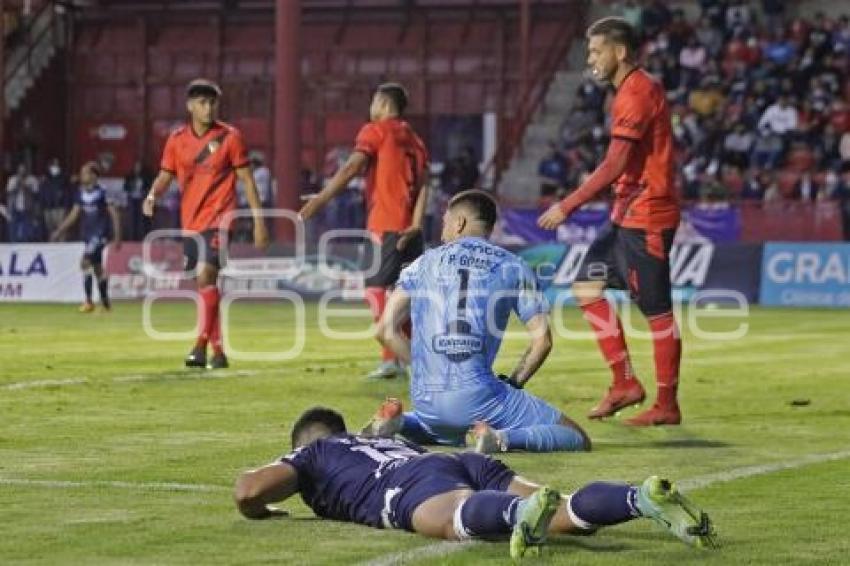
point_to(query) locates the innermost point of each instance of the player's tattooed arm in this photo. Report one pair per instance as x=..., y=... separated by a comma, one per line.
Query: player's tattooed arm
x=350, y=169
x=538, y=350
x=255, y=489
x=389, y=332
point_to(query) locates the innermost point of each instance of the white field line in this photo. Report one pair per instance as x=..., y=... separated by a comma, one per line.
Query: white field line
x=43, y=383
x=136, y=486
x=446, y=547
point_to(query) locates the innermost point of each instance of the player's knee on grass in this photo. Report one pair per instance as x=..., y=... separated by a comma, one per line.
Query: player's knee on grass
x=566, y=421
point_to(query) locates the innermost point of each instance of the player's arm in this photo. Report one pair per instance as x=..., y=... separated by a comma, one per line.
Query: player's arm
x=389, y=332
x=350, y=169
x=158, y=187
x=261, y=234
x=116, y=225
x=537, y=352
x=418, y=211
x=255, y=489
x=69, y=221
x=616, y=159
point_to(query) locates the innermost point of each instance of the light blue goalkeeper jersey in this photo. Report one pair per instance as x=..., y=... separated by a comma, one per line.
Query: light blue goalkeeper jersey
x=462, y=295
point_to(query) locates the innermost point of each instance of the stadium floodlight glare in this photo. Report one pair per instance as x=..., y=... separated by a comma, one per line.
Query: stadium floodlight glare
x=278, y=296
x=147, y=308
x=149, y=264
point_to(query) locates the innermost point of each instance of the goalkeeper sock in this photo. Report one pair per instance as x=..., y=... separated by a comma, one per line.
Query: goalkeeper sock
x=544, y=438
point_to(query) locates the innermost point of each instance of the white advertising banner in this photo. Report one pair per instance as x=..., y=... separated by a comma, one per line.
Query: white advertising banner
x=41, y=272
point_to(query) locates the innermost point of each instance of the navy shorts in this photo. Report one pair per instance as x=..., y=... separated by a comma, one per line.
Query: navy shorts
x=93, y=252
x=392, y=261
x=435, y=474
x=211, y=252
x=634, y=260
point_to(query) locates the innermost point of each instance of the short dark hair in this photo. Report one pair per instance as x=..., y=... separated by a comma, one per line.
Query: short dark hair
x=482, y=203
x=203, y=87
x=616, y=30
x=397, y=95
x=314, y=417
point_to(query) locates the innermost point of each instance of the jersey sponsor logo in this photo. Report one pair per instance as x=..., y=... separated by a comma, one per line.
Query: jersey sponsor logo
x=458, y=346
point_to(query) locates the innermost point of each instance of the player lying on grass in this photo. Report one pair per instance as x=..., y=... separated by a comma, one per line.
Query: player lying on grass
x=389, y=483
x=459, y=298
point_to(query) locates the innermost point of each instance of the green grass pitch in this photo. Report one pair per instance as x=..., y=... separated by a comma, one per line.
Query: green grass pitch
x=88, y=401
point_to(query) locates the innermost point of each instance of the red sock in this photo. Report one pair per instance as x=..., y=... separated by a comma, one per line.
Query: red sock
x=668, y=352
x=376, y=297
x=207, y=314
x=612, y=343
x=215, y=332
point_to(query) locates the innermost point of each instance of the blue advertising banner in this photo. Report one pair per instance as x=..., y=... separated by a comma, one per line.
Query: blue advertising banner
x=805, y=275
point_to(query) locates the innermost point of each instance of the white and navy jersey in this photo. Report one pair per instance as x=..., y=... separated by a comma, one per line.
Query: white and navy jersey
x=347, y=477
x=462, y=295
x=95, y=223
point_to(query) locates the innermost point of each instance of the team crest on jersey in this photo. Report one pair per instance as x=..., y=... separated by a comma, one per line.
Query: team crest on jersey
x=213, y=146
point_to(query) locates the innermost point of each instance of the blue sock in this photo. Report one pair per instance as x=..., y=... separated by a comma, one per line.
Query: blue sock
x=544, y=438
x=87, y=285
x=486, y=514
x=601, y=503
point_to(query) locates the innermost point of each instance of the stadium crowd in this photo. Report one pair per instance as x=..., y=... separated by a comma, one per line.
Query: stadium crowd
x=760, y=103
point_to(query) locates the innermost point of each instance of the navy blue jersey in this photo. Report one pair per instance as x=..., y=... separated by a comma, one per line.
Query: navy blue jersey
x=345, y=477
x=96, y=224
x=380, y=482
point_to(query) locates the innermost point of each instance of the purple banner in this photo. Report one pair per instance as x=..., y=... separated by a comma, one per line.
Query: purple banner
x=720, y=223
x=518, y=226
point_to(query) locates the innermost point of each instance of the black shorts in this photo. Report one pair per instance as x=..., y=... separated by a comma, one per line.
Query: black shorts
x=634, y=260
x=392, y=261
x=437, y=473
x=212, y=250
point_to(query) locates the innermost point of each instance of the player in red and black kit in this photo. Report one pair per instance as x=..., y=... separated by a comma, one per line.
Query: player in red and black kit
x=396, y=164
x=633, y=251
x=206, y=156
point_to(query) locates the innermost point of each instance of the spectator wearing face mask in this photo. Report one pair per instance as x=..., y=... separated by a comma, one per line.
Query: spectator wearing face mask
x=56, y=195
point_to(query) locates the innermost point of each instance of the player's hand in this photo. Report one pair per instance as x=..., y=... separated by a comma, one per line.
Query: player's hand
x=553, y=217
x=148, y=206
x=406, y=237
x=311, y=208
x=261, y=234
x=511, y=381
